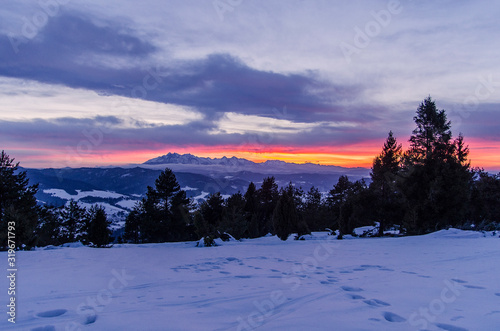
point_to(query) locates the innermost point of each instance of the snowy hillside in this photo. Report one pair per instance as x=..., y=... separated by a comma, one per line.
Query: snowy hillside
x=443, y=281
x=119, y=188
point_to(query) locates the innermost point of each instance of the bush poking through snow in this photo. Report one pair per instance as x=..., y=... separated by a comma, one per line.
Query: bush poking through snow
x=206, y=241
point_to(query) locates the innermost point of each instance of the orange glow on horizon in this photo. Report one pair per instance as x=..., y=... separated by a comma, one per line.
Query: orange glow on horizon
x=485, y=154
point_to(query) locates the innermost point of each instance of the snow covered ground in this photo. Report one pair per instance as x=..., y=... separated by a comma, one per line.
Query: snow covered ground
x=448, y=280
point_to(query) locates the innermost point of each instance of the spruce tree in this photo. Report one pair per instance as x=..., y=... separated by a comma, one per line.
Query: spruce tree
x=73, y=221
x=384, y=174
x=234, y=219
x=252, y=211
x=99, y=232
x=49, y=226
x=314, y=211
x=268, y=195
x=132, y=231
x=17, y=204
x=287, y=218
x=164, y=214
x=435, y=178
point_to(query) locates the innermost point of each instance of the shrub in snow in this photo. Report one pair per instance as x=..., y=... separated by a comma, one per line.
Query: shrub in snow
x=206, y=241
x=227, y=237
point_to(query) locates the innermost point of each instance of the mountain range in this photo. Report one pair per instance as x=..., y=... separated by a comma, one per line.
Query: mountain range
x=118, y=189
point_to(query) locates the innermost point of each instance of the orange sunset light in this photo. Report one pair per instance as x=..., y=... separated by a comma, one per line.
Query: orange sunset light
x=484, y=154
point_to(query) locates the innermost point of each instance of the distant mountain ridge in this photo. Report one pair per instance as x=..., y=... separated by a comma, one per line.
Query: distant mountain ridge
x=175, y=158
x=189, y=162
x=118, y=189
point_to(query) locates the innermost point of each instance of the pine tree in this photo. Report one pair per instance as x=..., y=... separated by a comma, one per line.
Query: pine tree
x=314, y=212
x=73, y=221
x=287, y=218
x=268, y=195
x=252, y=211
x=485, y=206
x=213, y=212
x=234, y=219
x=166, y=186
x=164, y=214
x=385, y=170
x=17, y=204
x=431, y=138
x=435, y=178
x=132, y=231
x=338, y=200
x=99, y=232
x=49, y=226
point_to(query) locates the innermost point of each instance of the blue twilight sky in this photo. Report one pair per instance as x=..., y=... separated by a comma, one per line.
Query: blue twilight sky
x=113, y=82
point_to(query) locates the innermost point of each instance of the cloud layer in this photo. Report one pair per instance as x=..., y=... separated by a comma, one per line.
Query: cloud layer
x=258, y=78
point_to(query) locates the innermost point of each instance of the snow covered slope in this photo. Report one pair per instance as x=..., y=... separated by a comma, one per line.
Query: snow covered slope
x=444, y=281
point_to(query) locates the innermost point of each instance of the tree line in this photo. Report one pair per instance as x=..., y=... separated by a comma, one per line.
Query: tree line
x=428, y=187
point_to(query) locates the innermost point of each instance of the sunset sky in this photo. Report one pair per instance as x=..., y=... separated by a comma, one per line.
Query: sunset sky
x=92, y=83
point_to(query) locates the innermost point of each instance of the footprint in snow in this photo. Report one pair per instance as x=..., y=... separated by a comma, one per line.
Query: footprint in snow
x=497, y=294
x=475, y=287
x=456, y=318
x=87, y=315
x=45, y=328
x=391, y=317
x=328, y=281
x=376, y=303
x=52, y=313
x=449, y=327
x=493, y=312
x=370, y=266
x=459, y=281
x=409, y=272
x=356, y=297
x=351, y=289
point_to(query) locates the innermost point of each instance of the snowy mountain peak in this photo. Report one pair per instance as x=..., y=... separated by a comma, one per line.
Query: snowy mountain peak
x=175, y=158
x=204, y=165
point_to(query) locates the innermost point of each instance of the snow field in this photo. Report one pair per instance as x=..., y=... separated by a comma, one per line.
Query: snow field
x=442, y=281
